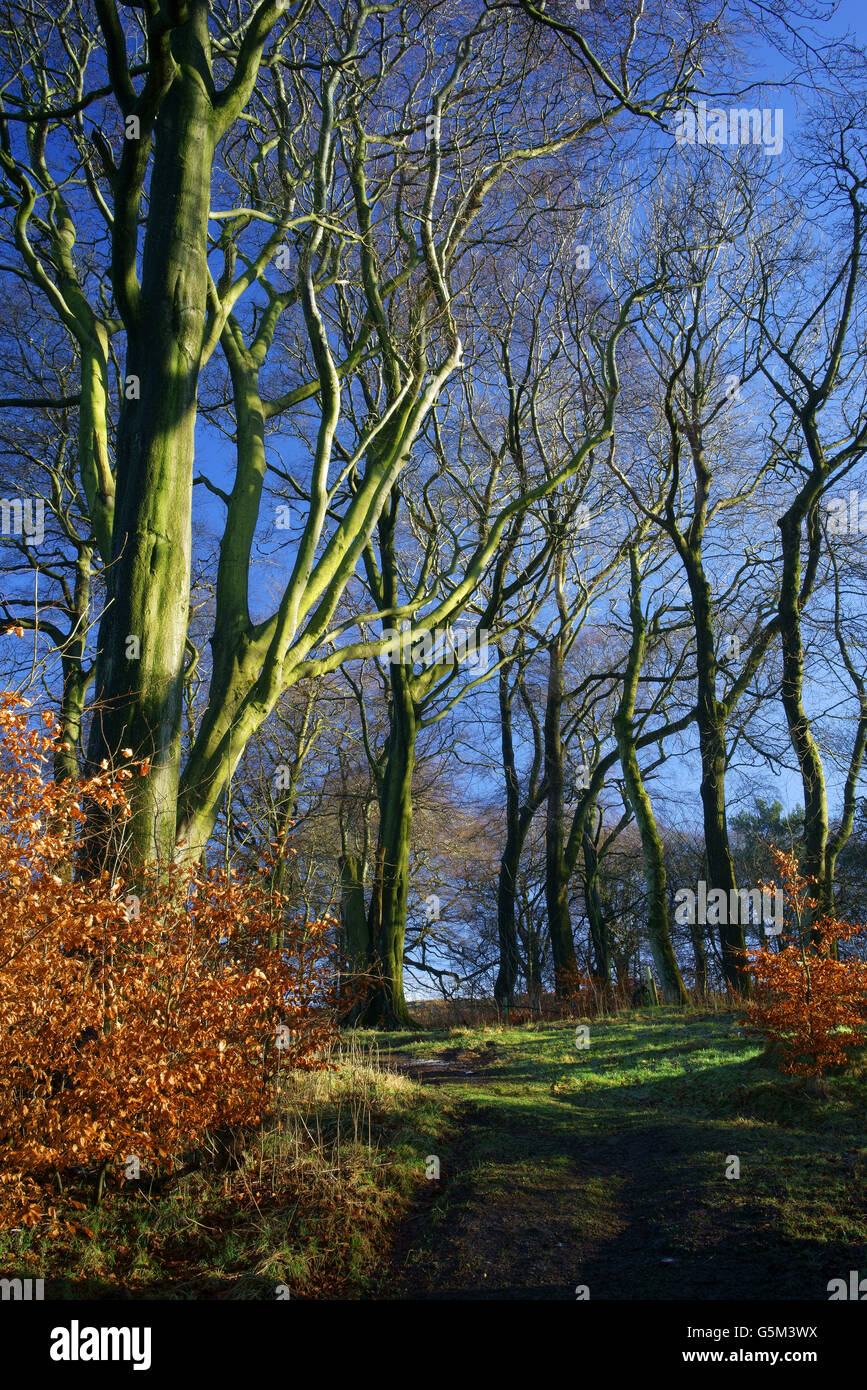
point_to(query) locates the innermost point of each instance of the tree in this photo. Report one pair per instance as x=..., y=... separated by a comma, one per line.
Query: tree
x=132, y=128
x=809, y=368
x=694, y=343
x=654, y=860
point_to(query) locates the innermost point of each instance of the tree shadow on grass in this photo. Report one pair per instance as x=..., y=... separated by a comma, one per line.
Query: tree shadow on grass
x=591, y=1189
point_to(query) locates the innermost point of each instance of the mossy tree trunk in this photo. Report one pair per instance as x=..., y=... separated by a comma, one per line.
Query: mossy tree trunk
x=76, y=676
x=699, y=952
x=840, y=836
x=711, y=724
x=804, y=745
x=386, y=924
x=807, y=400
x=711, y=713
x=556, y=874
x=356, y=945
x=596, y=914
x=142, y=635
x=654, y=861
x=519, y=817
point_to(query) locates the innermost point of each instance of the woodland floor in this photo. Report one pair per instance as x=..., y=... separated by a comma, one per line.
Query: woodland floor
x=605, y=1167
x=560, y=1167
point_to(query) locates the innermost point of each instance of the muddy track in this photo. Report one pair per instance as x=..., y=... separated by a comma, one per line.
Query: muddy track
x=619, y=1209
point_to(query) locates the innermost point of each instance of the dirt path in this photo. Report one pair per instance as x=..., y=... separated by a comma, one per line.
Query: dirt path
x=631, y=1206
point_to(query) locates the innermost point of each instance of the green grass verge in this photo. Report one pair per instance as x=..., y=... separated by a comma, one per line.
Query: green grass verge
x=309, y=1215
x=619, y=1151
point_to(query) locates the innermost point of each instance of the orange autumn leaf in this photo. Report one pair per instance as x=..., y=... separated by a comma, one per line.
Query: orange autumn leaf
x=132, y=1034
x=808, y=1000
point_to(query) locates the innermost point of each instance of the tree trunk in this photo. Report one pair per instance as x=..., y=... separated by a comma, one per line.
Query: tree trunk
x=507, y=930
x=696, y=935
x=356, y=951
x=75, y=678
x=386, y=1006
x=710, y=720
x=599, y=937
x=840, y=837
x=532, y=941
x=654, y=862
x=556, y=874
x=800, y=733
x=139, y=669
x=230, y=717
x=518, y=821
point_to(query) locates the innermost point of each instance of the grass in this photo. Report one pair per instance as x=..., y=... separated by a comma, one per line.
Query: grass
x=619, y=1152
x=309, y=1213
x=561, y=1166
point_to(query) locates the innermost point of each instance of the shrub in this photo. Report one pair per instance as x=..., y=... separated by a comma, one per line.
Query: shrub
x=135, y=1020
x=810, y=1006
